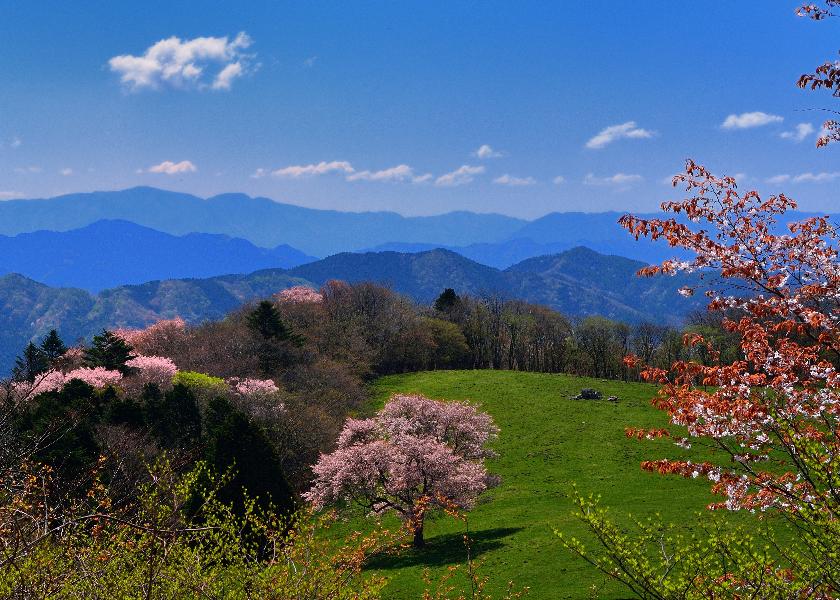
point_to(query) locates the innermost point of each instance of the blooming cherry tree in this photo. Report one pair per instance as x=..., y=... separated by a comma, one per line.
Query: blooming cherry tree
x=774, y=412
x=415, y=453
x=299, y=294
x=149, y=369
x=157, y=337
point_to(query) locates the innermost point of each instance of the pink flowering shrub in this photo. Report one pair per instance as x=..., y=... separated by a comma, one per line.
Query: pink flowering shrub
x=416, y=453
x=300, y=294
x=149, y=369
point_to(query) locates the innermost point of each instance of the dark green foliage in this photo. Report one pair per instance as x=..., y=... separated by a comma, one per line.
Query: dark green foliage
x=174, y=417
x=235, y=443
x=110, y=351
x=125, y=411
x=62, y=423
x=447, y=301
x=275, y=337
x=265, y=320
x=53, y=346
x=31, y=363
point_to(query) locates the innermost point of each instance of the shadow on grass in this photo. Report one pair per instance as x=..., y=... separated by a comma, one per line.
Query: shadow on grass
x=444, y=549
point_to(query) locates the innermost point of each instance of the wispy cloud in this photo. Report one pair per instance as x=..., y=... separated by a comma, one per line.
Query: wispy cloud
x=461, y=176
x=748, y=120
x=168, y=167
x=398, y=173
x=822, y=177
x=199, y=63
x=802, y=131
x=28, y=170
x=310, y=62
x=777, y=179
x=628, y=130
x=558, y=180
x=514, y=181
x=619, y=181
x=9, y=195
x=66, y=171
x=321, y=168
x=486, y=151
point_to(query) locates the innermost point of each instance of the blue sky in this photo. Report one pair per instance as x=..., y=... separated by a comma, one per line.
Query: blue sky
x=384, y=105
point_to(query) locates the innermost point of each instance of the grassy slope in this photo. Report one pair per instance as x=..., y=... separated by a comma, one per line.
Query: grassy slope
x=548, y=442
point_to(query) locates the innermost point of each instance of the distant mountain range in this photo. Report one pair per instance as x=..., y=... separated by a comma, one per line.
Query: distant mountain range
x=259, y=220
x=578, y=282
x=112, y=253
x=491, y=239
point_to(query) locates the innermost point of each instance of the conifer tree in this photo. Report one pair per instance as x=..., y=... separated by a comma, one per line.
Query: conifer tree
x=110, y=351
x=53, y=346
x=31, y=363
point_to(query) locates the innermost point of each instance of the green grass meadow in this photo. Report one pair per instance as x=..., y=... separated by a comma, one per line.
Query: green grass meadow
x=548, y=442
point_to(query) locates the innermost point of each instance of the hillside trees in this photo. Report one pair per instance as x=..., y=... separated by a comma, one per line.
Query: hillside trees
x=414, y=455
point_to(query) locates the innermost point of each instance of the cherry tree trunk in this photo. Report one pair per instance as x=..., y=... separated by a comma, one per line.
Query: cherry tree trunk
x=419, y=540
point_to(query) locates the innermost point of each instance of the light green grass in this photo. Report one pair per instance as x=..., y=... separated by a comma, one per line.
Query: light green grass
x=548, y=442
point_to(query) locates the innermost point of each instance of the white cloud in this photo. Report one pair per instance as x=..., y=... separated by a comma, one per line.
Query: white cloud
x=460, y=176
x=558, y=180
x=226, y=76
x=627, y=130
x=398, y=173
x=310, y=62
x=777, y=179
x=198, y=63
x=486, y=151
x=322, y=168
x=817, y=177
x=260, y=173
x=15, y=142
x=30, y=169
x=620, y=181
x=9, y=195
x=66, y=171
x=822, y=177
x=750, y=119
x=172, y=168
x=802, y=131
x=514, y=181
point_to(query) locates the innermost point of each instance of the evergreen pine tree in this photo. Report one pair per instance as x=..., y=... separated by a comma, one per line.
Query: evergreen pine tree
x=265, y=320
x=447, y=301
x=275, y=337
x=236, y=443
x=110, y=351
x=31, y=363
x=53, y=346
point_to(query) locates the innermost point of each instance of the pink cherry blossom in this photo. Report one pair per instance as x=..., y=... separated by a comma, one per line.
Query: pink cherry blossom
x=149, y=369
x=415, y=452
x=98, y=377
x=299, y=294
x=155, y=338
x=50, y=381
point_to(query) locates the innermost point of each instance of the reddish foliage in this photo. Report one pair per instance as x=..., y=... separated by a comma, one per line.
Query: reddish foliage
x=783, y=392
